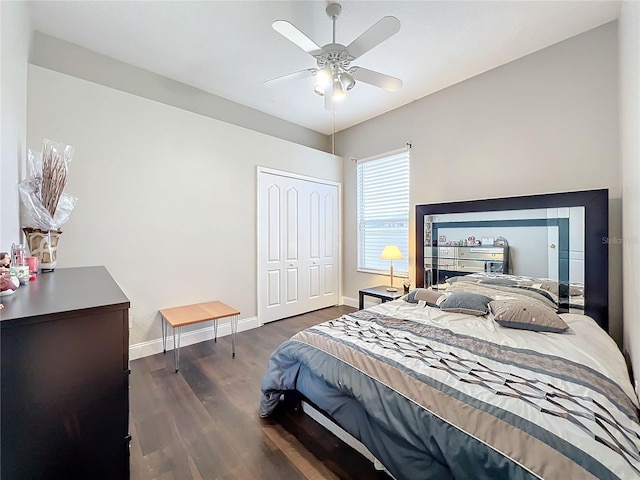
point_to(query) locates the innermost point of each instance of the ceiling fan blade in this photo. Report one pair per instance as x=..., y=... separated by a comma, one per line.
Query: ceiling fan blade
x=376, y=34
x=309, y=72
x=386, y=82
x=291, y=33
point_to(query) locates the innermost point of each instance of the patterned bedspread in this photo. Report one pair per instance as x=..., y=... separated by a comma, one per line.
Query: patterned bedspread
x=479, y=405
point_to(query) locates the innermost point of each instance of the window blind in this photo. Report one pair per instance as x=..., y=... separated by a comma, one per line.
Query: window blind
x=383, y=212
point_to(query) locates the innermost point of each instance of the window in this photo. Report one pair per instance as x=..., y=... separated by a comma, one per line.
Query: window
x=383, y=211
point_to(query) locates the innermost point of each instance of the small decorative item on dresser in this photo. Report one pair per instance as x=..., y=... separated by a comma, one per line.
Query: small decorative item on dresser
x=34, y=266
x=45, y=207
x=9, y=283
x=406, y=285
x=5, y=261
x=21, y=272
x=43, y=245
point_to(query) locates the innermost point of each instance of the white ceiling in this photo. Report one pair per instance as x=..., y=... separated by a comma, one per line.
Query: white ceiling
x=228, y=48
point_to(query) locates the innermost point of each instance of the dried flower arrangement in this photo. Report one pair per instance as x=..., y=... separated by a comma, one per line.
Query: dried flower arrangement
x=54, y=178
x=45, y=206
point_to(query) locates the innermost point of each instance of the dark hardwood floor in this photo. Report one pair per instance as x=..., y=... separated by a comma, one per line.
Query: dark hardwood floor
x=202, y=422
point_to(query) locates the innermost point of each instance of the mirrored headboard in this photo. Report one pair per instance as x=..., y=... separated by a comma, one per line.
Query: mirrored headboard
x=560, y=236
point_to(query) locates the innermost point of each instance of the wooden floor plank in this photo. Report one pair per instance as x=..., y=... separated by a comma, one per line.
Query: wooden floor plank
x=202, y=423
x=295, y=454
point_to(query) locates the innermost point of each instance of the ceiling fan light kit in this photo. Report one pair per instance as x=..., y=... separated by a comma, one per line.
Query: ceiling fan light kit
x=334, y=73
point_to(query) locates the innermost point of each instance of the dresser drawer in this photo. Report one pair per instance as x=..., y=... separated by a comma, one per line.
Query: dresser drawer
x=470, y=265
x=447, y=252
x=448, y=263
x=481, y=253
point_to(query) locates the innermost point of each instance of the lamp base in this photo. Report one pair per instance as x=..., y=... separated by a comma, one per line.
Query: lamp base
x=392, y=289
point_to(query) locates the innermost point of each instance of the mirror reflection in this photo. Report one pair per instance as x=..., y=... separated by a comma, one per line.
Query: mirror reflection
x=538, y=248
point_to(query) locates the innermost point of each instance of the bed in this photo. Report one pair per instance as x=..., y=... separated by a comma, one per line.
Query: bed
x=483, y=380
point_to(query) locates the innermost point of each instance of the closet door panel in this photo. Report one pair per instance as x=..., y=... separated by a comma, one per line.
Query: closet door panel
x=273, y=288
x=329, y=280
x=314, y=281
x=291, y=233
x=272, y=214
x=292, y=285
x=297, y=246
x=330, y=240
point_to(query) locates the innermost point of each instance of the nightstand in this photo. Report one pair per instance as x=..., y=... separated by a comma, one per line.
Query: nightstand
x=379, y=292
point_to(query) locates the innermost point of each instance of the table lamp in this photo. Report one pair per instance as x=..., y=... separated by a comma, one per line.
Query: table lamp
x=391, y=252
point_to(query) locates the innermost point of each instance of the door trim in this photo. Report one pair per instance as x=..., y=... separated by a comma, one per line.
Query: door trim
x=282, y=173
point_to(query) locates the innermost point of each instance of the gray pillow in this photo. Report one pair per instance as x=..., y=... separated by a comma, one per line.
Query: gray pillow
x=465, y=302
x=503, y=282
x=527, y=315
x=576, y=290
x=424, y=294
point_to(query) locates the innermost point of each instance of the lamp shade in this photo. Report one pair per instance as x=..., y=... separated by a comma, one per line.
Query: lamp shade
x=338, y=91
x=391, y=252
x=324, y=77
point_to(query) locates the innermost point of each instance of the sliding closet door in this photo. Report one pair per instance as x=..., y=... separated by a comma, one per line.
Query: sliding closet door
x=298, y=238
x=323, y=237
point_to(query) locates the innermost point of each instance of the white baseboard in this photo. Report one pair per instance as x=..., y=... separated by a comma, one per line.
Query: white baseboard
x=355, y=303
x=350, y=302
x=152, y=347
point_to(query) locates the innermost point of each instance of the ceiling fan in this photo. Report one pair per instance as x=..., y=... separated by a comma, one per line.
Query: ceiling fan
x=334, y=73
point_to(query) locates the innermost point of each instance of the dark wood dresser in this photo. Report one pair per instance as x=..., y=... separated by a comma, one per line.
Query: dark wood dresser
x=65, y=378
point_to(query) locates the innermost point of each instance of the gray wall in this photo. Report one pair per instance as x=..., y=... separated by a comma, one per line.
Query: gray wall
x=15, y=39
x=166, y=197
x=545, y=123
x=65, y=57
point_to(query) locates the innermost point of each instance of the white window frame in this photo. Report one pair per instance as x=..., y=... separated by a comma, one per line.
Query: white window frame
x=378, y=189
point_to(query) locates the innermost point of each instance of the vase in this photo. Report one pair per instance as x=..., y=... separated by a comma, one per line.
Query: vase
x=44, y=246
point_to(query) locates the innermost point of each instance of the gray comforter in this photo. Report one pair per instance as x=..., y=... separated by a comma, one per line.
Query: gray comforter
x=432, y=403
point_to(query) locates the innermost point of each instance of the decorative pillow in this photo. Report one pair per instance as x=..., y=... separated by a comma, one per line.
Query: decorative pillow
x=543, y=293
x=527, y=315
x=503, y=282
x=461, y=278
x=576, y=290
x=430, y=297
x=548, y=285
x=465, y=302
